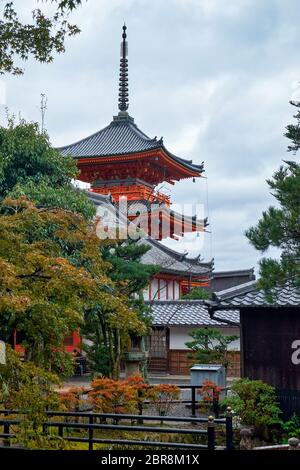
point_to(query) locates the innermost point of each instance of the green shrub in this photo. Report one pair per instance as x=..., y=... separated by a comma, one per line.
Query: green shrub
x=254, y=402
x=292, y=427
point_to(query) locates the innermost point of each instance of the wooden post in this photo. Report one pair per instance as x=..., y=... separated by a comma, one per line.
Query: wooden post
x=211, y=433
x=140, y=407
x=193, y=402
x=216, y=407
x=229, y=429
x=45, y=429
x=91, y=433
x=61, y=431
x=6, y=440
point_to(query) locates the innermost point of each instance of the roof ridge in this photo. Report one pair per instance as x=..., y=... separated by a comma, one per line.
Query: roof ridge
x=240, y=289
x=179, y=255
x=249, y=295
x=234, y=271
x=178, y=301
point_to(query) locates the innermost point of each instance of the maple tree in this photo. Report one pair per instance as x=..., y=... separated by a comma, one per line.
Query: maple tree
x=71, y=399
x=126, y=396
x=163, y=396
x=113, y=396
x=52, y=273
x=41, y=38
x=210, y=391
x=58, y=222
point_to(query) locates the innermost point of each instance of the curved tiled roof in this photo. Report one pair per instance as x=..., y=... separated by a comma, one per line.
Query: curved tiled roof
x=187, y=312
x=173, y=262
x=247, y=295
x=120, y=137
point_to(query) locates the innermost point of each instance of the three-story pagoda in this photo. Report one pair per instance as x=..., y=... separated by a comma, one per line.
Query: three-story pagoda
x=122, y=161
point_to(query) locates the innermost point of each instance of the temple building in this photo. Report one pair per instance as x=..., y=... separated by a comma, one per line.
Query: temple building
x=123, y=162
x=178, y=274
x=125, y=168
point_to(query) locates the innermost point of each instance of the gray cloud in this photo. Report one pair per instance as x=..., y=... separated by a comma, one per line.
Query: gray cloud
x=214, y=77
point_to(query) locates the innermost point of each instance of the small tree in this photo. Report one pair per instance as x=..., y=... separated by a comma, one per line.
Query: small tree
x=163, y=396
x=113, y=396
x=210, y=346
x=197, y=293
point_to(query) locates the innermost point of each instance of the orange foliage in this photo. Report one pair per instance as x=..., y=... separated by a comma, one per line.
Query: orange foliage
x=210, y=391
x=163, y=395
x=126, y=396
x=113, y=396
x=72, y=398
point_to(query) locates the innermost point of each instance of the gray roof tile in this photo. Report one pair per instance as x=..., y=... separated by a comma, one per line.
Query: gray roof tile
x=171, y=261
x=187, y=312
x=121, y=136
x=247, y=295
x=115, y=139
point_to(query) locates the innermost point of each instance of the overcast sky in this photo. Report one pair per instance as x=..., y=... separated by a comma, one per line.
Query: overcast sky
x=213, y=77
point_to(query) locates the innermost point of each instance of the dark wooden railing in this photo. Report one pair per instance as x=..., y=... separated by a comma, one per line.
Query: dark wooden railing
x=193, y=401
x=92, y=422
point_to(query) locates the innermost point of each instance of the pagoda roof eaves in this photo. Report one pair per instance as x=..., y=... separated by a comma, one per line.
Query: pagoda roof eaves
x=122, y=137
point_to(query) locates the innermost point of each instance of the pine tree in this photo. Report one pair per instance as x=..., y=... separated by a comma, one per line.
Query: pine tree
x=279, y=226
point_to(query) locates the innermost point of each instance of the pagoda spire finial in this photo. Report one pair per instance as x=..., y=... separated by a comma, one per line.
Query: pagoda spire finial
x=123, y=81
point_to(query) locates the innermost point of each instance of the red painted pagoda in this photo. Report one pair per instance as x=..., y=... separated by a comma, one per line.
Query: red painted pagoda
x=122, y=161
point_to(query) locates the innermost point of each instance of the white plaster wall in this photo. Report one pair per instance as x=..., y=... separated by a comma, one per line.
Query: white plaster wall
x=154, y=288
x=146, y=294
x=176, y=290
x=162, y=290
x=179, y=336
x=162, y=295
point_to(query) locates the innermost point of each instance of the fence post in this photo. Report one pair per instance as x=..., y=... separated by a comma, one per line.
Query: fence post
x=211, y=433
x=91, y=433
x=193, y=402
x=140, y=407
x=6, y=441
x=216, y=407
x=61, y=430
x=229, y=429
x=45, y=428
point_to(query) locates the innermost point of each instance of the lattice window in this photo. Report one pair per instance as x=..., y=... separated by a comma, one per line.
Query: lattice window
x=156, y=343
